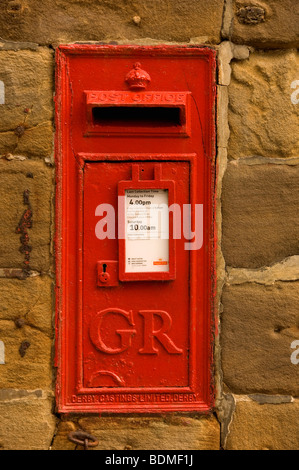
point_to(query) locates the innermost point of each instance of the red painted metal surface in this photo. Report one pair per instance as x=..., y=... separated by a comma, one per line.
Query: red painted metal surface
x=138, y=342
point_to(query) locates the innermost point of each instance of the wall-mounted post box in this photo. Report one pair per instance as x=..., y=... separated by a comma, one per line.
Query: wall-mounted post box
x=135, y=243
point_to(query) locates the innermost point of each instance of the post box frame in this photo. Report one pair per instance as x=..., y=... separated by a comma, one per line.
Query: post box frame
x=63, y=103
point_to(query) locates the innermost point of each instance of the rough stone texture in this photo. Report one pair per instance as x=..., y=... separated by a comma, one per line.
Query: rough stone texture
x=28, y=80
x=286, y=270
x=259, y=323
x=225, y=411
x=61, y=441
x=265, y=24
x=260, y=214
x=26, y=317
x=271, y=399
x=35, y=142
x=171, y=433
x=15, y=178
x=34, y=369
x=262, y=118
x=27, y=303
x=26, y=117
x=27, y=422
x=226, y=52
x=62, y=21
x=225, y=55
x=264, y=427
x=222, y=117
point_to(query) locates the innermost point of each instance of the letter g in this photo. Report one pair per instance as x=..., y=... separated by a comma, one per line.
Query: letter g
x=95, y=332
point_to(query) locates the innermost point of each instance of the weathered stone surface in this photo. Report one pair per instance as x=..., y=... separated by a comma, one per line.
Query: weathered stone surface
x=263, y=119
x=171, y=433
x=225, y=56
x=27, y=113
x=262, y=399
x=286, y=270
x=27, y=302
x=264, y=427
x=220, y=262
x=27, y=422
x=28, y=80
x=222, y=117
x=225, y=410
x=59, y=21
x=226, y=52
x=260, y=214
x=28, y=357
x=36, y=141
x=259, y=323
x=61, y=441
x=265, y=24
x=15, y=178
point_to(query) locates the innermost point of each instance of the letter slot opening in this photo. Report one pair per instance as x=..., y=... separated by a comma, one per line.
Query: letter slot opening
x=137, y=116
x=144, y=113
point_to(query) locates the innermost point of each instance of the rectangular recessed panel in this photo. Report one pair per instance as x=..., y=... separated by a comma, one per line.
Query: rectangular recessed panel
x=133, y=335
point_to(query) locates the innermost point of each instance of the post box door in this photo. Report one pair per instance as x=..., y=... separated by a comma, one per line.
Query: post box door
x=136, y=332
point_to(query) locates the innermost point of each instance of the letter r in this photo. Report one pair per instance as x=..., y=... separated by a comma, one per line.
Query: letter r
x=150, y=333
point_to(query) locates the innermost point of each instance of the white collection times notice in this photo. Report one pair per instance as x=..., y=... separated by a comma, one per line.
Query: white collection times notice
x=147, y=230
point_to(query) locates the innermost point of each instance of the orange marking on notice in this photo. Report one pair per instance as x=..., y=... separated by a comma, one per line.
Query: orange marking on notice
x=160, y=262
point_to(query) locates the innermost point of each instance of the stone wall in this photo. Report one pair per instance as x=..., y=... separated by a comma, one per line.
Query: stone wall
x=257, y=393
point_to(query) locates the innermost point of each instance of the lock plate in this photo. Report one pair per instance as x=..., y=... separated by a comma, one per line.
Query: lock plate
x=107, y=273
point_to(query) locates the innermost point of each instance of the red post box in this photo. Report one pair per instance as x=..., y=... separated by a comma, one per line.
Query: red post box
x=135, y=157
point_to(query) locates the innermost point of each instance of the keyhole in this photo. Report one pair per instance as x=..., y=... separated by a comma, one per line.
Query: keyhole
x=104, y=267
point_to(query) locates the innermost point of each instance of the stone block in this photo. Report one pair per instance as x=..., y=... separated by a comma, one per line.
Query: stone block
x=260, y=213
x=27, y=422
x=27, y=101
x=36, y=141
x=265, y=24
x=28, y=302
x=263, y=117
x=63, y=21
x=36, y=178
x=171, y=433
x=259, y=324
x=264, y=427
x=28, y=357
